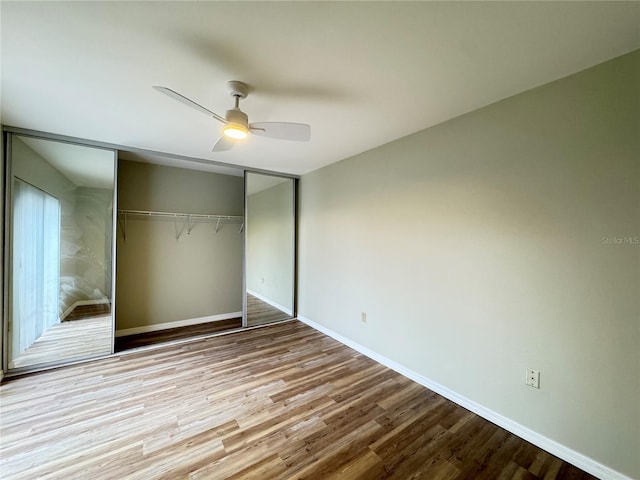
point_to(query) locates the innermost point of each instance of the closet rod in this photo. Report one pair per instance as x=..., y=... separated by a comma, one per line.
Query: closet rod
x=147, y=213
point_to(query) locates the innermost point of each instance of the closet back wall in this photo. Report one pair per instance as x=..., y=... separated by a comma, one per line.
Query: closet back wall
x=161, y=279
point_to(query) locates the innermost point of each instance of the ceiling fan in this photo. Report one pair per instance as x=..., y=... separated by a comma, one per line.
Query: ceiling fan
x=236, y=123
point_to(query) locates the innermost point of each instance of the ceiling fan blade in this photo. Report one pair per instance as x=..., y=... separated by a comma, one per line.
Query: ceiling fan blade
x=225, y=143
x=298, y=132
x=182, y=99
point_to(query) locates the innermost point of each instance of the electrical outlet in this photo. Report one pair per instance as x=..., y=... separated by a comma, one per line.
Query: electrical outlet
x=533, y=378
x=363, y=317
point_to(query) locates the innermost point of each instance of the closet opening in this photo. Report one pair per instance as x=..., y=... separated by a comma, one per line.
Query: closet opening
x=180, y=241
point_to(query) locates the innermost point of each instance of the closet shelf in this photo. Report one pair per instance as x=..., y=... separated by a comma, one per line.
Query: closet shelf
x=187, y=218
x=147, y=213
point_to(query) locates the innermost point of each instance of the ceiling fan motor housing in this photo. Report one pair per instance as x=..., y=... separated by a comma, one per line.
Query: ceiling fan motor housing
x=237, y=117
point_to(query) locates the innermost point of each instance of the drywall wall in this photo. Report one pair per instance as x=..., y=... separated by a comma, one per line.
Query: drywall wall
x=145, y=186
x=502, y=240
x=161, y=279
x=270, y=245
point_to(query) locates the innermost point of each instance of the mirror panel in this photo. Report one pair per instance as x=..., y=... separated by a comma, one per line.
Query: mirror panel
x=270, y=248
x=60, y=257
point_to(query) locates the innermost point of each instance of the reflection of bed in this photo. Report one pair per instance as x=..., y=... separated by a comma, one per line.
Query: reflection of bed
x=67, y=341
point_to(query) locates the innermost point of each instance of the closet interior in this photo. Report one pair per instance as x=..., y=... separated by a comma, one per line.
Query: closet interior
x=179, y=250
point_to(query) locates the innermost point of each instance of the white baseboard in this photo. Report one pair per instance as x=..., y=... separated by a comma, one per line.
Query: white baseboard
x=561, y=451
x=179, y=323
x=286, y=310
x=79, y=303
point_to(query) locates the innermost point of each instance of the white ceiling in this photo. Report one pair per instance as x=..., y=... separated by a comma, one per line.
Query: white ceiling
x=360, y=73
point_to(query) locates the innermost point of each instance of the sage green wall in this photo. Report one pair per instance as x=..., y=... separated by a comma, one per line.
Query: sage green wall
x=270, y=244
x=486, y=245
x=160, y=279
x=143, y=186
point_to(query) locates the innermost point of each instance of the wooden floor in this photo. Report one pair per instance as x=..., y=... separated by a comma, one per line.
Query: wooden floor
x=81, y=312
x=172, y=334
x=65, y=341
x=261, y=313
x=280, y=402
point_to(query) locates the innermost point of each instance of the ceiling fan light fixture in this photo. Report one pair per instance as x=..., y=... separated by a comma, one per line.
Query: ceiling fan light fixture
x=236, y=123
x=235, y=131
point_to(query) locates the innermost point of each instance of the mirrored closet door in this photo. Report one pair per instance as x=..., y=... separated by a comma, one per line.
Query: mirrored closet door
x=269, y=248
x=59, y=258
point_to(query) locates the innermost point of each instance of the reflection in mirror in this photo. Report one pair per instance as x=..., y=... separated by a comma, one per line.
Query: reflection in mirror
x=269, y=255
x=61, y=249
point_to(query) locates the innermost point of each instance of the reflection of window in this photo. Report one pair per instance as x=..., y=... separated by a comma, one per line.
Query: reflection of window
x=36, y=264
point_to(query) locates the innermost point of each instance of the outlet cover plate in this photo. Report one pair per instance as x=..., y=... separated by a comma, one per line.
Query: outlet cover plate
x=533, y=378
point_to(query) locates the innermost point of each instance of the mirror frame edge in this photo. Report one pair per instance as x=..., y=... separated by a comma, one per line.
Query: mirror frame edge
x=296, y=219
x=244, y=250
x=114, y=249
x=6, y=247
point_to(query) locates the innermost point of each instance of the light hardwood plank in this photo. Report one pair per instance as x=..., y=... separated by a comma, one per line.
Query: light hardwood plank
x=261, y=313
x=280, y=402
x=66, y=341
